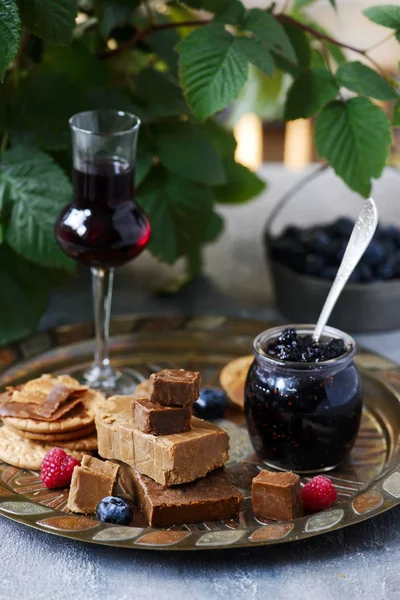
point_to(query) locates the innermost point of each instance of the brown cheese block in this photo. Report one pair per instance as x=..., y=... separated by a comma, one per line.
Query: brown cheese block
x=156, y=419
x=168, y=459
x=174, y=387
x=276, y=496
x=210, y=498
x=91, y=482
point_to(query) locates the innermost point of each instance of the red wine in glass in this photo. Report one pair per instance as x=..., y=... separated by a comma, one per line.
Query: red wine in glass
x=103, y=226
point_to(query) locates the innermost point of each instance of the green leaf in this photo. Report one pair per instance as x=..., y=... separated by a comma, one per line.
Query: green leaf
x=68, y=81
x=212, y=71
x=232, y=13
x=355, y=138
x=396, y=114
x=242, y=184
x=113, y=13
x=270, y=32
x=180, y=212
x=10, y=29
x=214, y=229
x=164, y=43
x=309, y=93
x=5, y=201
x=144, y=161
x=364, y=81
x=184, y=149
x=25, y=290
x=317, y=59
x=333, y=3
x=256, y=53
x=302, y=48
x=162, y=96
x=222, y=138
x=336, y=52
x=52, y=20
x=41, y=108
x=39, y=190
x=387, y=15
x=76, y=64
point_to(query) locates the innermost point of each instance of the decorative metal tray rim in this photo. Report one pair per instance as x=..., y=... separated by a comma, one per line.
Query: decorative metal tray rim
x=142, y=341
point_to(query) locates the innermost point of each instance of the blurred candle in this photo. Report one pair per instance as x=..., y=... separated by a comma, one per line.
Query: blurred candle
x=249, y=137
x=297, y=151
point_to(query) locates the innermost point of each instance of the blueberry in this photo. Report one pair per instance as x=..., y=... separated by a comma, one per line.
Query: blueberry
x=343, y=226
x=396, y=265
x=365, y=272
x=329, y=272
x=291, y=232
x=339, y=248
x=391, y=233
x=114, y=510
x=387, y=270
x=211, y=404
x=284, y=354
x=310, y=354
x=354, y=277
x=333, y=349
x=317, y=241
x=289, y=252
x=288, y=335
x=390, y=247
x=313, y=264
x=375, y=254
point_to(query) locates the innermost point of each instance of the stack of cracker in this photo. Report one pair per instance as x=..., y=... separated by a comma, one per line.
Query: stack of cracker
x=176, y=461
x=44, y=413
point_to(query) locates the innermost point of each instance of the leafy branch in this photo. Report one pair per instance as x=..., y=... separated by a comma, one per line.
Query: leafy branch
x=140, y=35
x=175, y=70
x=327, y=38
x=281, y=17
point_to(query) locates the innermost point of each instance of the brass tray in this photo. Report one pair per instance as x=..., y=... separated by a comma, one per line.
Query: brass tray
x=368, y=484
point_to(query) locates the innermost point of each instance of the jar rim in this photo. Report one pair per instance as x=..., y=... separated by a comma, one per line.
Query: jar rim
x=305, y=329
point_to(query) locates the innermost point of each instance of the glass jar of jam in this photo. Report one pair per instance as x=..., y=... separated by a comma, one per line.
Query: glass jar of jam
x=303, y=416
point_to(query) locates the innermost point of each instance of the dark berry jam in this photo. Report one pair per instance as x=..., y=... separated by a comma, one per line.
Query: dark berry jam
x=292, y=347
x=305, y=416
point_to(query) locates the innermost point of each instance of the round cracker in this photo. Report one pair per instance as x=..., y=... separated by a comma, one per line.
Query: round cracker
x=88, y=443
x=77, y=419
x=23, y=453
x=54, y=437
x=233, y=378
x=63, y=425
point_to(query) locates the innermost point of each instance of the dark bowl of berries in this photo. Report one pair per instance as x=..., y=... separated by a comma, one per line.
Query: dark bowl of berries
x=303, y=398
x=304, y=262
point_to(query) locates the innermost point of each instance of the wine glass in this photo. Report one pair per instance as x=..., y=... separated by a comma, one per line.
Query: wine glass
x=103, y=227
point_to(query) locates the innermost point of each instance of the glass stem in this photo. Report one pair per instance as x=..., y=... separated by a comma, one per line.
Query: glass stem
x=102, y=282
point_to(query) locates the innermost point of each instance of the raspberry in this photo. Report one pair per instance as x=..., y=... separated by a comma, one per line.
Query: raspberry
x=318, y=494
x=57, y=467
